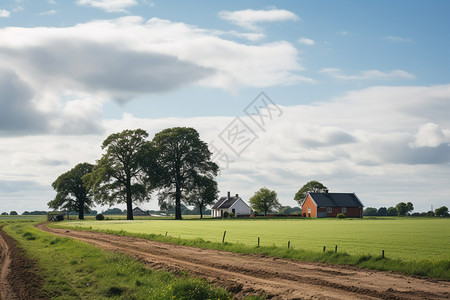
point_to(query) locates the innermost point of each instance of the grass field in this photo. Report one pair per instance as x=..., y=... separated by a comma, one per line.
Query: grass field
x=407, y=239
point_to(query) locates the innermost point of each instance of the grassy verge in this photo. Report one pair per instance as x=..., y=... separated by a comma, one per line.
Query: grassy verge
x=76, y=270
x=427, y=268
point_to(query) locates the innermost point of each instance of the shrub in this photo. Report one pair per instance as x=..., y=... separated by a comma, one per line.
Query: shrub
x=340, y=216
x=99, y=217
x=226, y=214
x=231, y=214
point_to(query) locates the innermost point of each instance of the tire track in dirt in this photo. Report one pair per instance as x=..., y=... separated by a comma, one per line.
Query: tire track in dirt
x=245, y=274
x=6, y=291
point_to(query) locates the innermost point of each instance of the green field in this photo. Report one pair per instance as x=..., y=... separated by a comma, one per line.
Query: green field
x=407, y=239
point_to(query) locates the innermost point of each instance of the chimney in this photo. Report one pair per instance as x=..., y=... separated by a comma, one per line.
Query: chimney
x=228, y=195
x=237, y=195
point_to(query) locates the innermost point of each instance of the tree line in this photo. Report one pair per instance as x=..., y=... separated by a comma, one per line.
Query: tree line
x=176, y=164
x=404, y=209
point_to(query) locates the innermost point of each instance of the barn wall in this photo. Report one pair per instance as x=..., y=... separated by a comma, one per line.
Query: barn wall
x=240, y=208
x=309, y=203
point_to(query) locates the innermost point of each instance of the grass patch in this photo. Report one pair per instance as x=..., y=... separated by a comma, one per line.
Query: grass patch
x=412, y=246
x=76, y=270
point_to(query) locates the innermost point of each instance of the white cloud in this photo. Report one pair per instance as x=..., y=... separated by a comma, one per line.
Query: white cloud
x=306, y=41
x=431, y=135
x=48, y=13
x=4, y=13
x=368, y=75
x=398, y=39
x=109, y=5
x=250, y=19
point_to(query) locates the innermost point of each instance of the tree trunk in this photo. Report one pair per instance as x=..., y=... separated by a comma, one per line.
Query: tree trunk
x=81, y=210
x=129, y=203
x=178, y=201
x=201, y=211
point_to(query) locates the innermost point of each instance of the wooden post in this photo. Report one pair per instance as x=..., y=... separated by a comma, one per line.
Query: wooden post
x=382, y=253
x=223, y=239
x=166, y=233
x=335, y=249
x=324, y=248
x=258, y=241
x=289, y=244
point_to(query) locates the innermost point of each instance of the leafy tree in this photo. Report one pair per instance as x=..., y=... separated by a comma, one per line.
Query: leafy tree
x=13, y=213
x=71, y=193
x=264, y=200
x=118, y=176
x=392, y=211
x=113, y=211
x=404, y=208
x=370, y=211
x=310, y=187
x=442, y=211
x=382, y=211
x=182, y=161
x=203, y=193
x=4, y=213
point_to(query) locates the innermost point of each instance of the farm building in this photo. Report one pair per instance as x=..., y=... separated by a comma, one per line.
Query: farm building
x=322, y=205
x=139, y=212
x=230, y=204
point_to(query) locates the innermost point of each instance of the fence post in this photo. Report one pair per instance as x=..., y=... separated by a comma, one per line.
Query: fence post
x=324, y=248
x=335, y=249
x=258, y=241
x=289, y=244
x=382, y=253
x=166, y=233
x=223, y=239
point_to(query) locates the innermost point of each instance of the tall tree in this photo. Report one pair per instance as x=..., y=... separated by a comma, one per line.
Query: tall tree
x=118, y=176
x=442, y=211
x=264, y=200
x=71, y=193
x=404, y=208
x=181, y=158
x=310, y=187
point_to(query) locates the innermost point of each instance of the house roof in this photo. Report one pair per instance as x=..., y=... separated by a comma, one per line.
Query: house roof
x=138, y=209
x=224, y=202
x=336, y=200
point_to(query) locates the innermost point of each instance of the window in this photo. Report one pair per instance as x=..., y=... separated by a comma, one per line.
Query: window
x=309, y=210
x=344, y=210
x=329, y=210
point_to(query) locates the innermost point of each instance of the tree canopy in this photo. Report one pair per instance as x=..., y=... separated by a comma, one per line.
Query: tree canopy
x=183, y=166
x=442, y=211
x=264, y=200
x=71, y=192
x=404, y=208
x=118, y=175
x=310, y=187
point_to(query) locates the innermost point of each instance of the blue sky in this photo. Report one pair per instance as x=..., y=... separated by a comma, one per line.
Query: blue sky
x=362, y=89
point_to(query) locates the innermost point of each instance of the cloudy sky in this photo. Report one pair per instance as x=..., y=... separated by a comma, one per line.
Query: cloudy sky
x=355, y=94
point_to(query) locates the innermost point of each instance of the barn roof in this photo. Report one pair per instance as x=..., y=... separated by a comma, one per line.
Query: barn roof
x=224, y=202
x=336, y=200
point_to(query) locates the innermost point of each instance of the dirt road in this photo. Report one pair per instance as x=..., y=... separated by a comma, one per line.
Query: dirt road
x=277, y=278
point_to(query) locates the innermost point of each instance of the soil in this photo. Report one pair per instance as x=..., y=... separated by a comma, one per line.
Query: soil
x=248, y=274
x=19, y=277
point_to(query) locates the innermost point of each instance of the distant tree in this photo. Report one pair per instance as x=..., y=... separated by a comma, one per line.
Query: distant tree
x=429, y=213
x=404, y=208
x=391, y=211
x=25, y=213
x=71, y=192
x=203, y=193
x=13, y=213
x=370, y=211
x=382, y=211
x=118, y=175
x=264, y=200
x=285, y=210
x=112, y=211
x=182, y=159
x=310, y=187
x=4, y=213
x=442, y=211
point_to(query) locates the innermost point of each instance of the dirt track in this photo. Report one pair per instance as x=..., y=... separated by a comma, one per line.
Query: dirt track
x=277, y=278
x=18, y=273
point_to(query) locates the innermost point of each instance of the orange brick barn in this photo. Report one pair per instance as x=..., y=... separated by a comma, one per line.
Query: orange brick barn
x=323, y=205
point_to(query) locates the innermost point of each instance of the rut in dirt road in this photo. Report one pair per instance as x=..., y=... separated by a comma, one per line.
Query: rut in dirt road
x=6, y=291
x=245, y=274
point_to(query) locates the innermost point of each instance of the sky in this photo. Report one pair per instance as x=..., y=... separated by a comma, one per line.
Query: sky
x=354, y=94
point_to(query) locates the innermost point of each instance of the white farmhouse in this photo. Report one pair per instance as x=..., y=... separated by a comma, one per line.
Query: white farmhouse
x=231, y=205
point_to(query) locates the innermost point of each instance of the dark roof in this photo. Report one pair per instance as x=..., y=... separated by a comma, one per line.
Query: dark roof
x=224, y=202
x=336, y=200
x=138, y=209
